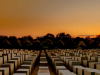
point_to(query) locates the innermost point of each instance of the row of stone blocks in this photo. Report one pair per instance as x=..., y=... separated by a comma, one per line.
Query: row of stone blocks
x=80, y=70
x=10, y=66
x=83, y=60
x=77, y=53
x=27, y=66
x=86, y=63
x=43, y=68
x=59, y=66
x=6, y=55
x=71, y=61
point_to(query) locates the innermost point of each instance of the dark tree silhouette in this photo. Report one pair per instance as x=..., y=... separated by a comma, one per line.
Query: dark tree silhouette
x=82, y=44
x=36, y=45
x=6, y=44
x=27, y=44
x=60, y=44
x=48, y=41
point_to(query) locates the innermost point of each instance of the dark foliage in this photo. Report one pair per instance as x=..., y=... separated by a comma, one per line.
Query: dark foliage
x=62, y=41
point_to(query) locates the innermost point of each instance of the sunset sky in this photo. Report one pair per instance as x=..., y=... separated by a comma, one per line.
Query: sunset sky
x=39, y=17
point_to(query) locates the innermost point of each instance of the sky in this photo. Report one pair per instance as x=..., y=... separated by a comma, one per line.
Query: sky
x=39, y=17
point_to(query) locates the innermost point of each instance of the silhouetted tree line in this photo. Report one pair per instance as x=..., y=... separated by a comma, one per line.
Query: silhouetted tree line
x=62, y=41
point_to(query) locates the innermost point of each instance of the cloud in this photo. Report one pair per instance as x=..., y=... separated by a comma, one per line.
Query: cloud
x=87, y=35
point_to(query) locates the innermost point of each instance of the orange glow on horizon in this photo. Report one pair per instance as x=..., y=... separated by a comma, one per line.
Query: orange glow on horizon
x=37, y=18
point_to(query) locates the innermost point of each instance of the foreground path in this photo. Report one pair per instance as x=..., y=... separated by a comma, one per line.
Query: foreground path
x=35, y=71
x=50, y=70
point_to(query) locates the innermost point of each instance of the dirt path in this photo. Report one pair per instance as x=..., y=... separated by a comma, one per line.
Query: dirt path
x=35, y=70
